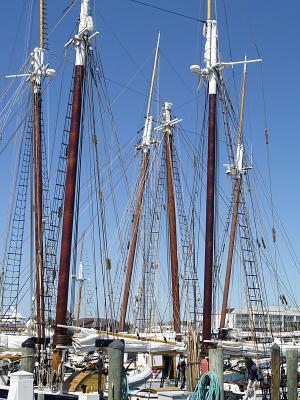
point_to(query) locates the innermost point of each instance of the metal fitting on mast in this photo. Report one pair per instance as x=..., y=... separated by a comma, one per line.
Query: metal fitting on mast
x=39, y=68
x=86, y=26
x=210, y=54
x=167, y=121
x=146, y=142
x=167, y=112
x=212, y=65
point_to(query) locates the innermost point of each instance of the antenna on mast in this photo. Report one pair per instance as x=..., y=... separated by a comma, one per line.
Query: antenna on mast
x=42, y=25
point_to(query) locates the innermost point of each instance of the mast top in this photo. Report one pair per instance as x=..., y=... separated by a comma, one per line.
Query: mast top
x=146, y=141
x=86, y=26
x=86, y=21
x=153, y=76
x=42, y=25
x=208, y=10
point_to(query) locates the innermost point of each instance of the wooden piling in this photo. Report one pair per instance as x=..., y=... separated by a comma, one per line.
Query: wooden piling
x=28, y=355
x=292, y=371
x=115, y=369
x=275, y=368
x=216, y=365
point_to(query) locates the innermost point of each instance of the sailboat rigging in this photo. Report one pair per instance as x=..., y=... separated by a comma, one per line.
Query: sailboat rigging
x=154, y=251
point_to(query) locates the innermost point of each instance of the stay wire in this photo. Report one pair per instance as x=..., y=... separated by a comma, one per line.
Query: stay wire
x=169, y=11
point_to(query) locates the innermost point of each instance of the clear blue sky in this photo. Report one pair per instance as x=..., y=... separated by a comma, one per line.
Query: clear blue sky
x=127, y=39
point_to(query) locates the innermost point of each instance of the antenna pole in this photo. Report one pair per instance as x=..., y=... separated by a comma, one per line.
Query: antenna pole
x=145, y=147
x=238, y=170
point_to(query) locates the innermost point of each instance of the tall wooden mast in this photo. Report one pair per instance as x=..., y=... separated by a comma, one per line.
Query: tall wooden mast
x=238, y=172
x=212, y=67
x=210, y=60
x=145, y=147
x=38, y=55
x=172, y=219
x=81, y=40
x=38, y=212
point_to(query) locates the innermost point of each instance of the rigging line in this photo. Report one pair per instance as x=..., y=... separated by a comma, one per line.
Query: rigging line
x=278, y=219
x=98, y=63
x=97, y=172
x=12, y=194
x=260, y=269
x=100, y=204
x=125, y=50
x=168, y=11
x=13, y=99
x=123, y=85
x=222, y=193
x=230, y=54
x=29, y=29
x=285, y=237
x=13, y=135
x=164, y=56
x=57, y=114
x=274, y=264
x=65, y=13
x=269, y=165
x=92, y=224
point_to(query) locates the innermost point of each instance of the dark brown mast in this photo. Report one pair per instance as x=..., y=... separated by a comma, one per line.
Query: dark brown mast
x=60, y=335
x=38, y=62
x=145, y=147
x=211, y=60
x=237, y=172
x=38, y=211
x=172, y=220
x=210, y=219
x=68, y=214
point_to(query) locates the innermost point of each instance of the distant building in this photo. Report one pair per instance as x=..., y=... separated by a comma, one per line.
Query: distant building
x=275, y=318
x=12, y=321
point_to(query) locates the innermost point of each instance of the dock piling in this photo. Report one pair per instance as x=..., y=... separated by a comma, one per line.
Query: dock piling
x=28, y=355
x=115, y=370
x=275, y=368
x=292, y=371
x=216, y=365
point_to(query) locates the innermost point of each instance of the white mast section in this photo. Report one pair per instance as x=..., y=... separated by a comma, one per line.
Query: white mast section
x=210, y=53
x=212, y=65
x=86, y=26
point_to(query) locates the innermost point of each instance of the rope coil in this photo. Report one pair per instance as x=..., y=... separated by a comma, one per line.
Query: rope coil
x=208, y=387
